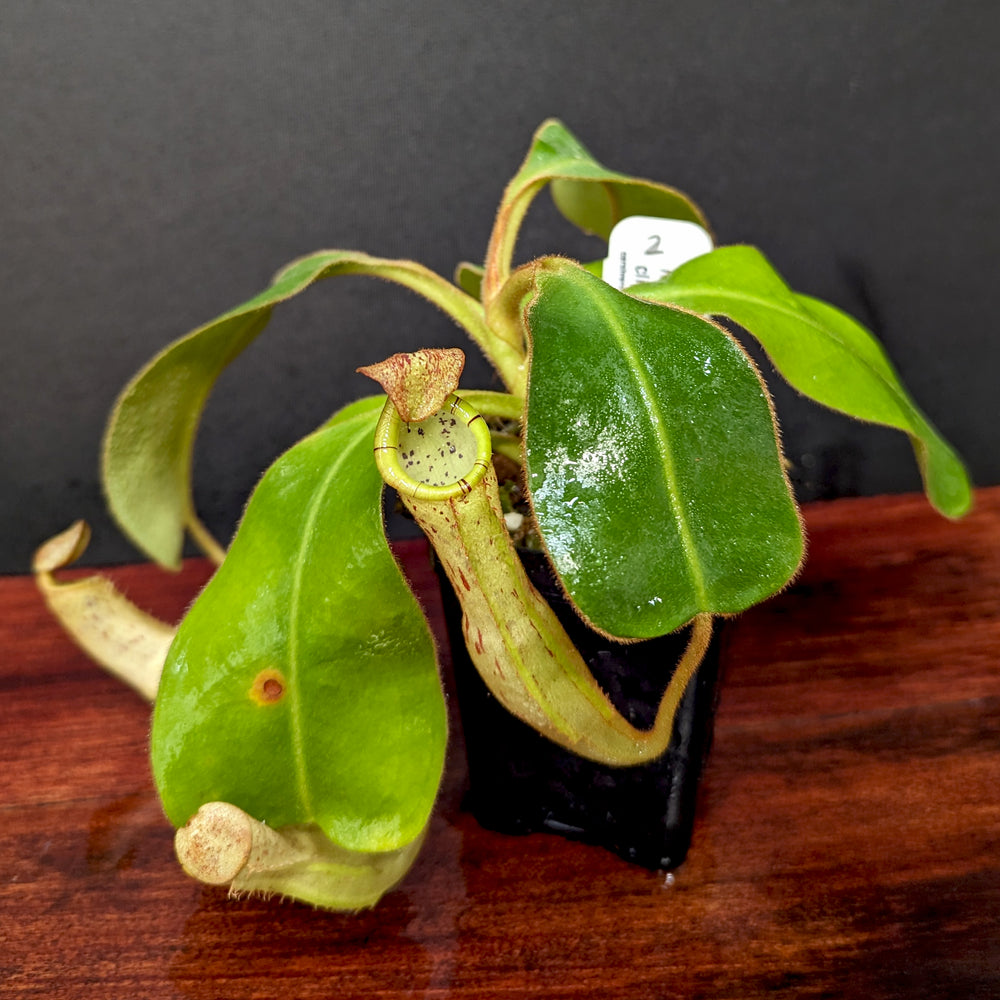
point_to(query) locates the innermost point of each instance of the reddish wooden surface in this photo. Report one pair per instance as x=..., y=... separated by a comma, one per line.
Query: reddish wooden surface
x=847, y=843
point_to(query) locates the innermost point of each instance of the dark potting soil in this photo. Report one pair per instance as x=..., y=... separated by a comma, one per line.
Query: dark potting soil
x=520, y=782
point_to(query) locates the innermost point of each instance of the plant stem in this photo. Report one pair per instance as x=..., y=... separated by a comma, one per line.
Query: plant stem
x=504, y=405
x=500, y=251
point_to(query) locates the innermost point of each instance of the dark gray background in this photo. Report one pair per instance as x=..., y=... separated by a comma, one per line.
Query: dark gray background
x=162, y=160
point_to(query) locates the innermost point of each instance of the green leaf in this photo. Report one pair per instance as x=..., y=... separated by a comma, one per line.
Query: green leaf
x=469, y=277
x=588, y=195
x=302, y=685
x=150, y=436
x=652, y=459
x=821, y=351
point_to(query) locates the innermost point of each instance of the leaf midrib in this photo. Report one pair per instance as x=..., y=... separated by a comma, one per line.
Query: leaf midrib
x=298, y=572
x=639, y=371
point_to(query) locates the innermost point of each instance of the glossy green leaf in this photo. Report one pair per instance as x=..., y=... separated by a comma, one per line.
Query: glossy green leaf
x=652, y=459
x=821, y=351
x=588, y=194
x=150, y=436
x=302, y=685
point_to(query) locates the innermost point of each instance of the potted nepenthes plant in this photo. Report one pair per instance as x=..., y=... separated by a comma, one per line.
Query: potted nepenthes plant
x=630, y=465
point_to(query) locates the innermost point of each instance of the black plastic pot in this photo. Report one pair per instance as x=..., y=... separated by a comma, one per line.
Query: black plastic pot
x=520, y=782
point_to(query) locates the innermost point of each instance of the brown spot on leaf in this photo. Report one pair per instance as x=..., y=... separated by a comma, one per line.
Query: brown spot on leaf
x=268, y=687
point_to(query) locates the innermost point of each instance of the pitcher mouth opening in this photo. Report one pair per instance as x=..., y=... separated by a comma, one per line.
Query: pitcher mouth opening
x=439, y=458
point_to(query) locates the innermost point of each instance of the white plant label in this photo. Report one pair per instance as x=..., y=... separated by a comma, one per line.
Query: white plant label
x=642, y=249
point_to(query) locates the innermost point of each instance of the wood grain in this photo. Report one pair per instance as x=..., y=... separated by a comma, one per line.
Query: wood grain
x=847, y=842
